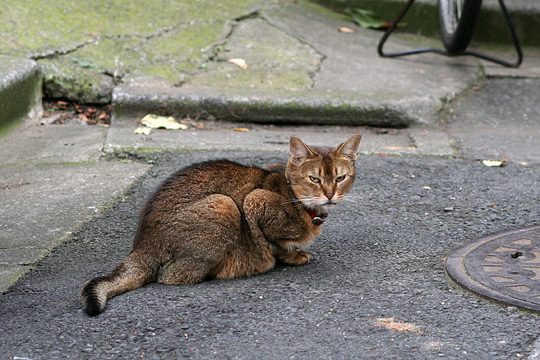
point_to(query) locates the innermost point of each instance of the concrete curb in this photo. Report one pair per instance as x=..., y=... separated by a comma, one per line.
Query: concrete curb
x=313, y=107
x=20, y=90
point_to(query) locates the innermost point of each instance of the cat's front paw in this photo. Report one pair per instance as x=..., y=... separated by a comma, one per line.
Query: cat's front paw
x=299, y=257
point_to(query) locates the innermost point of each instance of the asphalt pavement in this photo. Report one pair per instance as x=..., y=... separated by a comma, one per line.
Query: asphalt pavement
x=377, y=288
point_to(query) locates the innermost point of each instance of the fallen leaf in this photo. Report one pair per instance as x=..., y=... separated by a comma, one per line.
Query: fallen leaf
x=367, y=19
x=396, y=325
x=141, y=130
x=494, y=163
x=103, y=116
x=241, y=129
x=162, y=122
x=192, y=123
x=426, y=187
x=346, y=30
x=241, y=63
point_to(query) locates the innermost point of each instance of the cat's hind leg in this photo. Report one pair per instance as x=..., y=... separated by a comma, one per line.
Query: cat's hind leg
x=206, y=232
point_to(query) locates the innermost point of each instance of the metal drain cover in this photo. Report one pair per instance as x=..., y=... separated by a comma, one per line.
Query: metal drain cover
x=504, y=267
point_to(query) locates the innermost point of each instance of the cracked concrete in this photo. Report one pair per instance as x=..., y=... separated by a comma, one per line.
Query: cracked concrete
x=274, y=59
x=361, y=71
x=166, y=39
x=300, y=69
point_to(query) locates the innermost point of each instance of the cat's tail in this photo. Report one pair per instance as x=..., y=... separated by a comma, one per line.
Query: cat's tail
x=134, y=272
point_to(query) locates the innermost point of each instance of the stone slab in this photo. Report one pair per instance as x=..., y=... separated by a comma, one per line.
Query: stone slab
x=52, y=143
x=121, y=138
x=499, y=121
x=352, y=65
x=42, y=204
x=348, y=83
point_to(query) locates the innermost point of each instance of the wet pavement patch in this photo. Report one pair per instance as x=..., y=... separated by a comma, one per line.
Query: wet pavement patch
x=504, y=267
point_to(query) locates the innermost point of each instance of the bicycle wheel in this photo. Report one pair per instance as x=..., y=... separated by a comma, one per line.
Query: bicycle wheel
x=458, y=19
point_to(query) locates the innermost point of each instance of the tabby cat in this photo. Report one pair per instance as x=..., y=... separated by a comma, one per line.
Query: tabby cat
x=222, y=220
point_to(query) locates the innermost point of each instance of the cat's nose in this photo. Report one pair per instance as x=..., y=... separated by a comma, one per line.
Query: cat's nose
x=329, y=194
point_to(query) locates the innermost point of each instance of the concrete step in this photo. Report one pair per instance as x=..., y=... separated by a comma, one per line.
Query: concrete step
x=344, y=82
x=20, y=90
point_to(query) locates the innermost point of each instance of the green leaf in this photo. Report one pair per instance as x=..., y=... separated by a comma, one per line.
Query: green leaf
x=366, y=18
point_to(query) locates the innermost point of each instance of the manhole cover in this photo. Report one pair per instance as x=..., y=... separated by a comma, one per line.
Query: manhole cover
x=504, y=267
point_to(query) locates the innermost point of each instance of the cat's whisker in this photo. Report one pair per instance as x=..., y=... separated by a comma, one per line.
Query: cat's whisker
x=293, y=201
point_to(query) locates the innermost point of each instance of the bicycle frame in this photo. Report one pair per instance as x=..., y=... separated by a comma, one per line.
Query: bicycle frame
x=405, y=9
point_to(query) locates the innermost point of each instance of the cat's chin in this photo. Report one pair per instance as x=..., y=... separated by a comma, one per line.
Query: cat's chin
x=328, y=207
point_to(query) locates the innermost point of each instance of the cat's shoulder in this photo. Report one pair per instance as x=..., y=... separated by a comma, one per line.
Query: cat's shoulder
x=218, y=164
x=218, y=168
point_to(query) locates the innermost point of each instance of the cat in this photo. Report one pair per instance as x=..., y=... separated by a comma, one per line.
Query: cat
x=222, y=220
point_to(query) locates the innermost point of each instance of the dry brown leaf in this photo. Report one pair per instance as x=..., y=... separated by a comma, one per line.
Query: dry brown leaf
x=241, y=129
x=396, y=325
x=241, y=63
x=103, y=116
x=346, y=30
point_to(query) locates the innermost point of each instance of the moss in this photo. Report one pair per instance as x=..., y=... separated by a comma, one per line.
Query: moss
x=58, y=24
x=275, y=60
x=163, y=38
x=19, y=98
x=120, y=152
x=64, y=78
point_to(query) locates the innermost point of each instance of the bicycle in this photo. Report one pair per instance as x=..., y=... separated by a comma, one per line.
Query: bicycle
x=458, y=19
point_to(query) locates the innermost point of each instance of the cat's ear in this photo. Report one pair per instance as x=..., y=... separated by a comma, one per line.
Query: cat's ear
x=299, y=151
x=349, y=148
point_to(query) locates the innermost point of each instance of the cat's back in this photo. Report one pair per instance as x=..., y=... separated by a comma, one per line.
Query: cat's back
x=200, y=180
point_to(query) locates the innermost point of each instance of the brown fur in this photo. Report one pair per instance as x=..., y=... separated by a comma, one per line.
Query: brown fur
x=223, y=220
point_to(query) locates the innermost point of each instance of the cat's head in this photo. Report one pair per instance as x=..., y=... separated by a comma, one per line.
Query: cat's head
x=321, y=176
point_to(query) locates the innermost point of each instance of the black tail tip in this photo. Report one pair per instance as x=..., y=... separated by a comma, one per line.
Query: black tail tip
x=92, y=307
x=90, y=300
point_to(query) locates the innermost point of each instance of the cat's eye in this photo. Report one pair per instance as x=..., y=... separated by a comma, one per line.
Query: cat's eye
x=340, y=178
x=314, y=179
